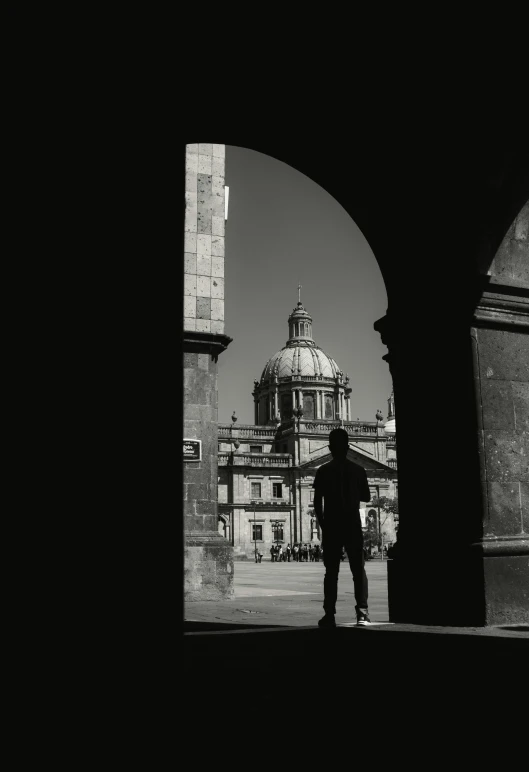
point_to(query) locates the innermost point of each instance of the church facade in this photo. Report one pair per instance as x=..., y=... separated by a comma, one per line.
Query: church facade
x=266, y=469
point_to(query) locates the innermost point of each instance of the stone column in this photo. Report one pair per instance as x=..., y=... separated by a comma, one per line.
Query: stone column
x=208, y=556
x=488, y=547
x=500, y=337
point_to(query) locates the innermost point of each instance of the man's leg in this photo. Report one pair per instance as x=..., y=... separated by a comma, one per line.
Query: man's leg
x=331, y=561
x=355, y=553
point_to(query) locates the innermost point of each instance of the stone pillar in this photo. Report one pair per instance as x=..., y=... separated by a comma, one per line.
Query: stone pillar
x=500, y=338
x=488, y=548
x=208, y=556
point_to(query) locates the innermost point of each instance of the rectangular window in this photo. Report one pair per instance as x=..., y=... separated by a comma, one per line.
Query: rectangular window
x=277, y=531
x=311, y=496
x=256, y=448
x=257, y=532
x=277, y=490
x=328, y=406
x=256, y=490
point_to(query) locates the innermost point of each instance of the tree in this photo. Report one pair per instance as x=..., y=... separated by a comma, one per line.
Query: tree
x=388, y=525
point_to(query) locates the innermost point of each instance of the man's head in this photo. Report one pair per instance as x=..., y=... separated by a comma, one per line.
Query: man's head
x=338, y=443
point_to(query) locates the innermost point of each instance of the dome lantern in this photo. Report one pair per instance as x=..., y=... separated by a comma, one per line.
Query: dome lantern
x=299, y=324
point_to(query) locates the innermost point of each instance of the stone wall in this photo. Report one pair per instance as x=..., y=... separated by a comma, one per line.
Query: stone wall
x=208, y=556
x=204, y=238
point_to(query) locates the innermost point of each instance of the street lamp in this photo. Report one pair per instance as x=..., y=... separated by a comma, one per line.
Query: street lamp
x=255, y=531
x=381, y=538
x=276, y=523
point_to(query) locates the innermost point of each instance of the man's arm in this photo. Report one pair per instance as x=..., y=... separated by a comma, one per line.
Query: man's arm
x=365, y=493
x=318, y=507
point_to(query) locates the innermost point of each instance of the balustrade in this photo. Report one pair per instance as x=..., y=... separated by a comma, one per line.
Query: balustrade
x=255, y=459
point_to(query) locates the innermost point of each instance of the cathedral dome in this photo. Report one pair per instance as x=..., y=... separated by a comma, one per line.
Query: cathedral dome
x=303, y=358
x=301, y=379
x=300, y=356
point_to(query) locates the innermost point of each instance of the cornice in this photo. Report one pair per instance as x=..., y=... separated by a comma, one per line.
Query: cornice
x=205, y=342
x=503, y=306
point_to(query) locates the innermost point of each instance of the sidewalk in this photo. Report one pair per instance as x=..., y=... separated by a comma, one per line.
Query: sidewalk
x=290, y=596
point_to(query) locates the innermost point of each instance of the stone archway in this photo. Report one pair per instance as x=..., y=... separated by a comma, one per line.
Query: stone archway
x=434, y=217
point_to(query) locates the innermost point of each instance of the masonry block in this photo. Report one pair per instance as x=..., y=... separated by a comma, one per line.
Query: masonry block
x=190, y=360
x=217, y=225
x=203, y=325
x=192, y=148
x=504, y=452
x=497, y=404
x=217, y=267
x=203, y=308
x=190, y=263
x=190, y=307
x=204, y=164
x=204, y=265
x=190, y=284
x=217, y=328
x=217, y=246
x=506, y=590
x=204, y=362
x=191, y=182
x=204, y=222
x=203, y=286
x=203, y=244
x=217, y=309
x=521, y=405
x=217, y=169
x=205, y=148
x=524, y=499
x=191, y=163
x=190, y=242
x=217, y=287
x=503, y=355
x=504, y=515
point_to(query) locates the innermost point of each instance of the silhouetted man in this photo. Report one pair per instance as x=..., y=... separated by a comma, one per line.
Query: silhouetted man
x=341, y=485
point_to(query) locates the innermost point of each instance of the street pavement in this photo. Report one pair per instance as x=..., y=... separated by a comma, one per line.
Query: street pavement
x=290, y=594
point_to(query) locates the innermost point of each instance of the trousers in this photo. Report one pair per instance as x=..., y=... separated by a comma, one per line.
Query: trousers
x=332, y=553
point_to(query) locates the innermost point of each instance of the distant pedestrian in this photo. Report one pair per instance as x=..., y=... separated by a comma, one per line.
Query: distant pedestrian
x=289, y=552
x=272, y=553
x=279, y=553
x=296, y=552
x=260, y=556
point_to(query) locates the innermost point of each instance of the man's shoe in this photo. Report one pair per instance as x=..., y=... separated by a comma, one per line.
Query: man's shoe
x=362, y=618
x=327, y=621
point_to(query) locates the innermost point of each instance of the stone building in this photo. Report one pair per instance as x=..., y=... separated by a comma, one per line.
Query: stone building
x=266, y=469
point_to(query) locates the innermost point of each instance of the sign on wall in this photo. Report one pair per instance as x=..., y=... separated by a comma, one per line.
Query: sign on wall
x=192, y=450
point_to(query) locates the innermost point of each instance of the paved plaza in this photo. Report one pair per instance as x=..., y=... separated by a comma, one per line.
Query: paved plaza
x=290, y=594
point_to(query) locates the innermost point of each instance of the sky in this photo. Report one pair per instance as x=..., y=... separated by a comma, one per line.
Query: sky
x=283, y=230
